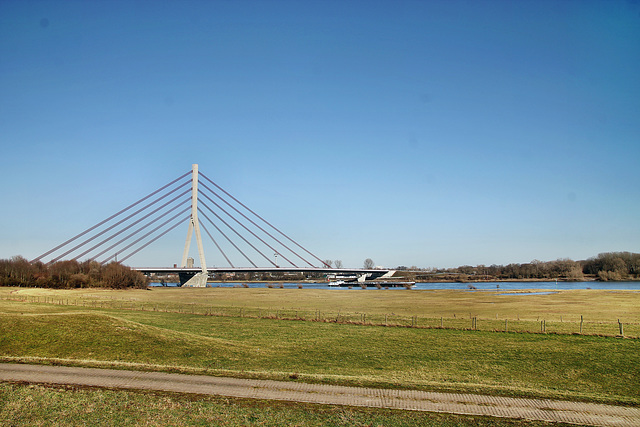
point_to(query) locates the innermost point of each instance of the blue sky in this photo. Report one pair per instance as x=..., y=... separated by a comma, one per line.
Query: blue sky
x=426, y=133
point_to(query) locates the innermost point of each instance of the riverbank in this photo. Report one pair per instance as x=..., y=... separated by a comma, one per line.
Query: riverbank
x=463, y=286
x=456, y=278
x=442, y=279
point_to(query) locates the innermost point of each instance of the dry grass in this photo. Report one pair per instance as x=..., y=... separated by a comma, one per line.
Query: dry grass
x=597, y=305
x=99, y=326
x=561, y=311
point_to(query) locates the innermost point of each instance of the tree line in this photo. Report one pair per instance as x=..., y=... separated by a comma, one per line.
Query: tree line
x=17, y=271
x=615, y=266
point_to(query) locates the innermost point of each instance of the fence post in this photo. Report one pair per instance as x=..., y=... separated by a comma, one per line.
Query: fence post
x=621, y=328
x=385, y=320
x=581, y=319
x=506, y=325
x=441, y=322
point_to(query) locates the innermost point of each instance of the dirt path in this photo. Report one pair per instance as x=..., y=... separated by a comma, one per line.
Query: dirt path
x=470, y=404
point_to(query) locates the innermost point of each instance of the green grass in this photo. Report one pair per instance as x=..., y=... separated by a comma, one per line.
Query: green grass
x=130, y=329
x=35, y=405
x=559, y=366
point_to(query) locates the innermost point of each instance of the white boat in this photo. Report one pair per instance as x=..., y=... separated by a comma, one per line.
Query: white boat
x=372, y=283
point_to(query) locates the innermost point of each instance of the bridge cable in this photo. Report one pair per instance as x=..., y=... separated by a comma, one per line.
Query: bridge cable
x=261, y=229
x=145, y=236
x=155, y=238
x=226, y=237
x=118, y=223
x=142, y=228
x=243, y=226
x=133, y=223
x=264, y=220
x=109, y=219
x=217, y=246
x=239, y=235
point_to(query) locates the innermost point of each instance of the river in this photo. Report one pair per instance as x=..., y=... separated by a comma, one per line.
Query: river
x=485, y=286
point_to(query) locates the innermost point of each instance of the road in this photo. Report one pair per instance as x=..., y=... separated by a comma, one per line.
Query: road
x=455, y=403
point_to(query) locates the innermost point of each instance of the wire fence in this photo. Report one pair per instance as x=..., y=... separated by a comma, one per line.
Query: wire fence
x=613, y=328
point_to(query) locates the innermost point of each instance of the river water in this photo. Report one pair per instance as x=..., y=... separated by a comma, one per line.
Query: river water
x=484, y=286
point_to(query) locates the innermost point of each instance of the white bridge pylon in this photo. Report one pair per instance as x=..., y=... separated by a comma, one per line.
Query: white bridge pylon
x=199, y=280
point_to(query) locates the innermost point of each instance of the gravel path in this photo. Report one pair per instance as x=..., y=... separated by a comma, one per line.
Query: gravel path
x=455, y=403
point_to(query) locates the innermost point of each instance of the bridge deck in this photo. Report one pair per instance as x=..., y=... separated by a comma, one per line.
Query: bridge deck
x=194, y=270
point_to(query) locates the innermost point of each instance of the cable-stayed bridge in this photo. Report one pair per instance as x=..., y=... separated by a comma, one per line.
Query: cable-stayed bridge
x=236, y=231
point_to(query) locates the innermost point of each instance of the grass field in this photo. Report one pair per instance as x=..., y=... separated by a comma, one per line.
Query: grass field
x=31, y=405
x=132, y=329
x=561, y=312
x=596, y=305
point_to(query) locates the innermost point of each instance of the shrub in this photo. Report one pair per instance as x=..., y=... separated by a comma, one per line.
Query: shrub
x=118, y=276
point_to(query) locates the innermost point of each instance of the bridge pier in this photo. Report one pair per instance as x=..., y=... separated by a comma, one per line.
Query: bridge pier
x=193, y=279
x=198, y=280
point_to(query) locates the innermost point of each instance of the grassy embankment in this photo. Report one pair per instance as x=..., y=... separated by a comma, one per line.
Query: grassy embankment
x=117, y=333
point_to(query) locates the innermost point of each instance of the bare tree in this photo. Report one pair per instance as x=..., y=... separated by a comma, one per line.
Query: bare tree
x=368, y=264
x=327, y=262
x=337, y=263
